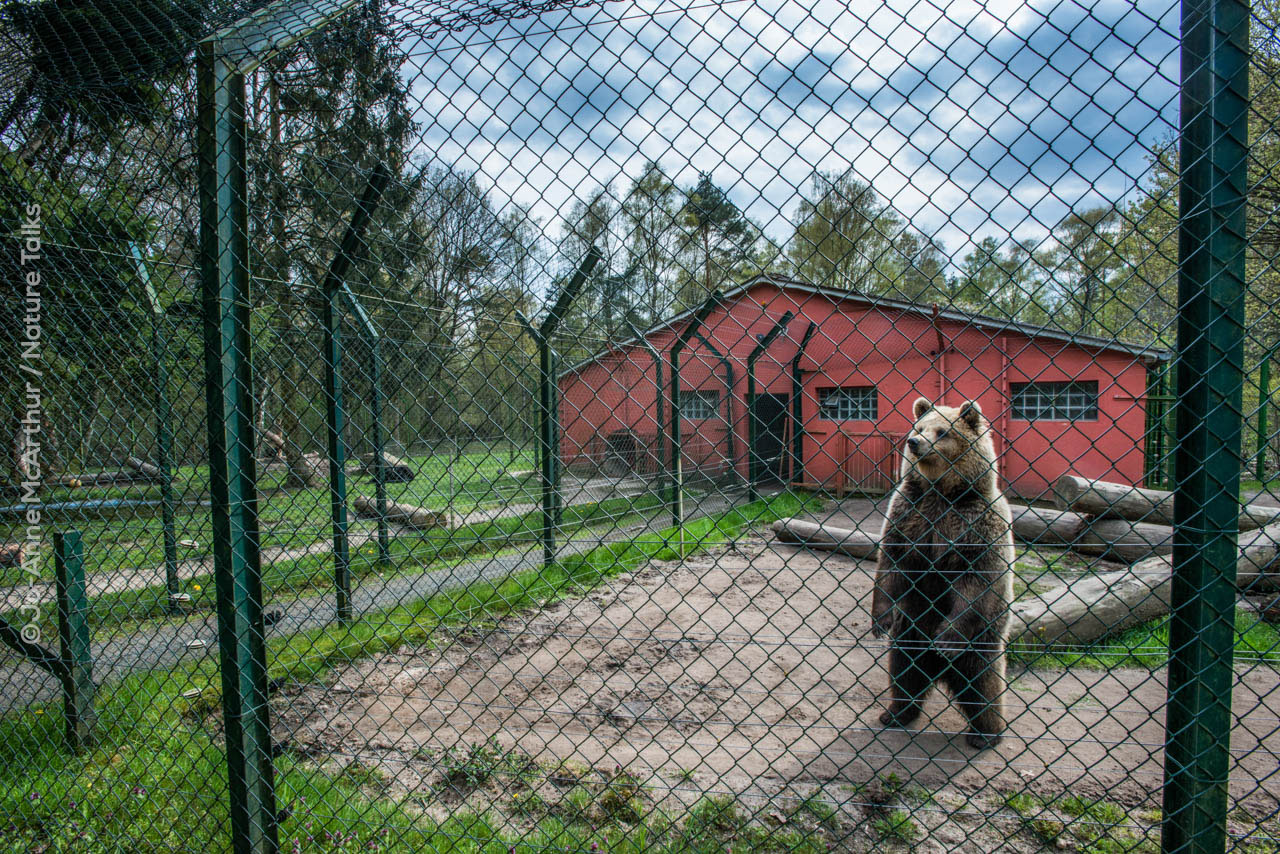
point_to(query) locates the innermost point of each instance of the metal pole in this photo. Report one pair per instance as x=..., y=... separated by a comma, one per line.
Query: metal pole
x=1264, y=432
x=164, y=433
x=730, y=450
x=660, y=438
x=677, y=462
x=753, y=425
x=374, y=339
x=350, y=250
x=1210, y=354
x=73, y=636
x=224, y=274
x=379, y=451
x=797, y=407
x=549, y=424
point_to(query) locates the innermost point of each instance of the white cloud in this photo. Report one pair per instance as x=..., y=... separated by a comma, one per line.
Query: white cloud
x=970, y=118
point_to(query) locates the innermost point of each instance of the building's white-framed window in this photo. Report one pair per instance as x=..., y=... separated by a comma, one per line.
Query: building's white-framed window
x=1055, y=401
x=849, y=403
x=698, y=404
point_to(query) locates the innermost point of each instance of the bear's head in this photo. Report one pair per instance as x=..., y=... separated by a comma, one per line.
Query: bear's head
x=950, y=446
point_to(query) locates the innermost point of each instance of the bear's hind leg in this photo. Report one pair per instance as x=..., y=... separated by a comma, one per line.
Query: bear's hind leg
x=913, y=668
x=978, y=686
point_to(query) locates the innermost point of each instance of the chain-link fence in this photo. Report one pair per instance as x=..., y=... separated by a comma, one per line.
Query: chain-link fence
x=599, y=426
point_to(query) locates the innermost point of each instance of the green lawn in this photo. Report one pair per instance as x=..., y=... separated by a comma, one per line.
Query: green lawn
x=156, y=781
x=410, y=553
x=132, y=538
x=1147, y=646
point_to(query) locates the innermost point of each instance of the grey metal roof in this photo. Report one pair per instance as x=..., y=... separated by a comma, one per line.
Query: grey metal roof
x=980, y=321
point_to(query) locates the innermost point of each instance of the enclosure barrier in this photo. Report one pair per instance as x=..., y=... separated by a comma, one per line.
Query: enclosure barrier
x=991, y=292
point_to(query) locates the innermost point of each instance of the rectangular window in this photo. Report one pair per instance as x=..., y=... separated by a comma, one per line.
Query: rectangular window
x=695, y=404
x=1069, y=401
x=850, y=403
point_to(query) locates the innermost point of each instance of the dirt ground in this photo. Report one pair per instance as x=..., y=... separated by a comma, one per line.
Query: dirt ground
x=752, y=670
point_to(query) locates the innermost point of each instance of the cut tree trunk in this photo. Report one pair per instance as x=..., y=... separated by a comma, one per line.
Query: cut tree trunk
x=146, y=469
x=855, y=543
x=1114, y=539
x=1086, y=609
x=1092, y=607
x=12, y=554
x=403, y=514
x=1112, y=500
x=397, y=470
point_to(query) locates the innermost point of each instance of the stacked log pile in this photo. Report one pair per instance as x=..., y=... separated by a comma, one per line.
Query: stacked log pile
x=1098, y=519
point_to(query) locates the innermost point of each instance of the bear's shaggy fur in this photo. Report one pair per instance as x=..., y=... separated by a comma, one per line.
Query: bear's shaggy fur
x=944, y=579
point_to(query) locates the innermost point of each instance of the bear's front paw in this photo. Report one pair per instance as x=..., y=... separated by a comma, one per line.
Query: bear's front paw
x=951, y=644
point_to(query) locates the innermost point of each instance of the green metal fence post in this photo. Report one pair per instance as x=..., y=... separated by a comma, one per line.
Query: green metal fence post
x=374, y=339
x=549, y=429
x=1210, y=378
x=660, y=439
x=164, y=432
x=73, y=637
x=1264, y=432
x=754, y=465
x=224, y=262
x=730, y=446
x=677, y=463
x=350, y=250
x=797, y=407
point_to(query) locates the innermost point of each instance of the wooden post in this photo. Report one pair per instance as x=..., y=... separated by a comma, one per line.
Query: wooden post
x=73, y=636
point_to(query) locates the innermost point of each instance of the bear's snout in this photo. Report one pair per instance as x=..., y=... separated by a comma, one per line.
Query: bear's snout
x=916, y=445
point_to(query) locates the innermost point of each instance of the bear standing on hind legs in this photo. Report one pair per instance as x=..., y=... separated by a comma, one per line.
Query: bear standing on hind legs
x=943, y=582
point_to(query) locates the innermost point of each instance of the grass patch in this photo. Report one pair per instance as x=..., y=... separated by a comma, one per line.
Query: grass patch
x=896, y=825
x=156, y=781
x=1089, y=825
x=1147, y=647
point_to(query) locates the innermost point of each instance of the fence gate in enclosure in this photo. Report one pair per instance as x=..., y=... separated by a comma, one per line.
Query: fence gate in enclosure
x=579, y=426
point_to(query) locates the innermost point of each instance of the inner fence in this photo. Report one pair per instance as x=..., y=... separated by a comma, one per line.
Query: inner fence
x=637, y=426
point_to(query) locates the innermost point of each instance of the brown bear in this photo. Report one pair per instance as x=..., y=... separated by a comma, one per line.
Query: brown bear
x=944, y=579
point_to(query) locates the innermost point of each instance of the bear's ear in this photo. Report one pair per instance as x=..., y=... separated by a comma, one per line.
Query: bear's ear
x=971, y=413
x=920, y=407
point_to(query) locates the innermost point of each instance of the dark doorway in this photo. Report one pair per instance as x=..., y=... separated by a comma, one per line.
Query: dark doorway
x=768, y=445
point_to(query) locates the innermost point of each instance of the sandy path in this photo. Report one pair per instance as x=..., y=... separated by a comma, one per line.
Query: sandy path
x=754, y=667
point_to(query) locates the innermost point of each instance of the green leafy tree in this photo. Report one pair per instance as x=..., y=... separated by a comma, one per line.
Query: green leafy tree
x=717, y=238
x=845, y=237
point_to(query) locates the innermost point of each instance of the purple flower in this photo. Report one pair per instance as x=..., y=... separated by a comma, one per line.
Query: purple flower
x=34, y=796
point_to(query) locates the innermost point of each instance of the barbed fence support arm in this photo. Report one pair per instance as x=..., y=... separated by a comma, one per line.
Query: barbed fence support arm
x=548, y=414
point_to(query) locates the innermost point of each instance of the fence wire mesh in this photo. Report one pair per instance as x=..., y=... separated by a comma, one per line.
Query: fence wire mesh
x=573, y=426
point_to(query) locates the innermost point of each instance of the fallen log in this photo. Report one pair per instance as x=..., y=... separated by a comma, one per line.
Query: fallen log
x=146, y=469
x=1153, y=506
x=1115, y=539
x=1094, y=606
x=101, y=478
x=403, y=514
x=855, y=543
x=395, y=469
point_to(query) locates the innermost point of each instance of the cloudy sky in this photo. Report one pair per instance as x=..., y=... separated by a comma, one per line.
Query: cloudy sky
x=971, y=119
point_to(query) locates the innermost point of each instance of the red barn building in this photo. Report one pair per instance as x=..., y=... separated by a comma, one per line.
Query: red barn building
x=833, y=389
